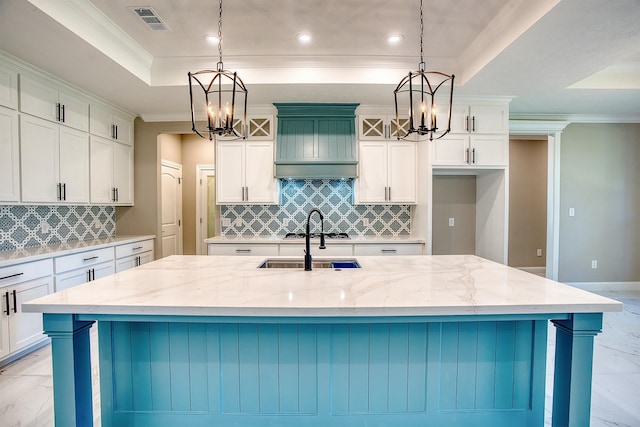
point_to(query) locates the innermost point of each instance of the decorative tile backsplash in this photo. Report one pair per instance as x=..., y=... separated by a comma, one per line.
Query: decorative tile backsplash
x=21, y=226
x=334, y=198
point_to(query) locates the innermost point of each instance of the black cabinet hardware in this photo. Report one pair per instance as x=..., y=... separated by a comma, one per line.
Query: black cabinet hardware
x=15, y=302
x=13, y=275
x=6, y=298
x=90, y=258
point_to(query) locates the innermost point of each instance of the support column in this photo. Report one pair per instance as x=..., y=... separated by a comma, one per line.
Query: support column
x=573, y=369
x=71, y=358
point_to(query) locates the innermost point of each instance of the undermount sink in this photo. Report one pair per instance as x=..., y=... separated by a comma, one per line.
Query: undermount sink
x=317, y=263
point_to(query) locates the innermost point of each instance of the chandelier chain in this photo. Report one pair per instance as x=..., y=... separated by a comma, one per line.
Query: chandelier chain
x=422, y=64
x=220, y=35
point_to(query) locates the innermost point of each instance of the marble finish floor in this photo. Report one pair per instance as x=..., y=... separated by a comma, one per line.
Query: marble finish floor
x=26, y=397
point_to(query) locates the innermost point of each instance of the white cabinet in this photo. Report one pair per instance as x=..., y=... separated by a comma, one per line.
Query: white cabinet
x=471, y=150
x=480, y=118
x=388, y=249
x=244, y=172
x=76, y=269
x=54, y=162
x=260, y=249
x=8, y=87
x=134, y=254
x=110, y=124
x=387, y=172
x=111, y=165
x=381, y=127
x=297, y=249
x=18, y=284
x=42, y=98
x=9, y=156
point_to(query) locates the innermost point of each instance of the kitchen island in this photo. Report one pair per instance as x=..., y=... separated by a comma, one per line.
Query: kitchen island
x=406, y=340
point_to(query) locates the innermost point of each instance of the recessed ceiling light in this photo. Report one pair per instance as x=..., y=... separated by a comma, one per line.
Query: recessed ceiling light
x=395, y=38
x=303, y=37
x=212, y=39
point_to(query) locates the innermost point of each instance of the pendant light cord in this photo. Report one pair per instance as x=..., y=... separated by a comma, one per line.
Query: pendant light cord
x=220, y=67
x=422, y=65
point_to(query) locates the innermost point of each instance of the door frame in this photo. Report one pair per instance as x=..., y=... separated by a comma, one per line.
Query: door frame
x=201, y=220
x=178, y=167
x=553, y=131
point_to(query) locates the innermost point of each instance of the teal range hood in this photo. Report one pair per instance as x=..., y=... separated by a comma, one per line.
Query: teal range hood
x=316, y=141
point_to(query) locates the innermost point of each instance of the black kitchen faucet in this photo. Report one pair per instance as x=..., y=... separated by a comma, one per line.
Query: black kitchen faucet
x=307, y=237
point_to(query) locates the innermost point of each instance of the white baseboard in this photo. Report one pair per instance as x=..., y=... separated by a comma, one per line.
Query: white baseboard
x=606, y=286
x=538, y=271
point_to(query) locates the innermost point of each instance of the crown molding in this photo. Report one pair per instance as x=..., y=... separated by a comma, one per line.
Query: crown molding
x=578, y=118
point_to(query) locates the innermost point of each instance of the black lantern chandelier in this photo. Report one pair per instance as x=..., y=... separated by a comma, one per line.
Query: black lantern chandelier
x=416, y=95
x=220, y=106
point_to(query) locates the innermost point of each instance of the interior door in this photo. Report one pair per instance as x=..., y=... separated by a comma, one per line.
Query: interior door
x=206, y=207
x=171, y=180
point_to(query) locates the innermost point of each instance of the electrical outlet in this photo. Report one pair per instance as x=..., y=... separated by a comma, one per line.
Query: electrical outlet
x=594, y=263
x=285, y=222
x=226, y=222
x=452, y=222
x=97, y=224
x=44, y=227
x=572, y=212
x=365, y=222
x=238, y=222
x=538, y=252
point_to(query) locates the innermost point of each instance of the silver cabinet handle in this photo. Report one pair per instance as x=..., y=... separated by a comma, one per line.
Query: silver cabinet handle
x=473, y=123
x=473, y=156
x=13, y=275
x=466, y=156
x=137, y=248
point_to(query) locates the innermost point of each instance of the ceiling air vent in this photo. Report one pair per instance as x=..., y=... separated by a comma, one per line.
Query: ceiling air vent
x=151, y=18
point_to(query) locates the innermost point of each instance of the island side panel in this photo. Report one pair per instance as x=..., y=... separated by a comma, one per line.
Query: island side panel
x=346, y=373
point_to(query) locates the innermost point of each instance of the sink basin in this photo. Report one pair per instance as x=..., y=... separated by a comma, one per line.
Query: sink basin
x=316, y=263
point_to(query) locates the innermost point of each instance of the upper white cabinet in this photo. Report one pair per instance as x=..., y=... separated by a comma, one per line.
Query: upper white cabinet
x=381, y=127
x=111, y=124
x=42, y=98
x=111, y=168
x=244, y=172
x=8, y=87
x=9, y=156
x=54, y=162
x=387, y=172
x=479, y=137
x=258, y=128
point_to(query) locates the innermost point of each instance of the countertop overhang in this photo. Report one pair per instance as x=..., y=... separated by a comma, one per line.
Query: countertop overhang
x=444, y=285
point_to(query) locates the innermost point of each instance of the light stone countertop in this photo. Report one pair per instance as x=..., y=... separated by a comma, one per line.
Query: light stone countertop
x=385, y=286
x=281, y=240
x=19, y=256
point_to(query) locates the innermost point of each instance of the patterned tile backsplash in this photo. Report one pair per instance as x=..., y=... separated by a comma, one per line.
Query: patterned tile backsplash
x=334, y=198
x=21, y=226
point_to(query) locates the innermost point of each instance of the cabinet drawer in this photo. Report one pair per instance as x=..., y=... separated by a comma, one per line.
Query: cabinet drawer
x=73, y=278
x=243, y=249
x=388, y=249
x=27, y=271
x=83, y=259
x=134, y=248
x=331, y=250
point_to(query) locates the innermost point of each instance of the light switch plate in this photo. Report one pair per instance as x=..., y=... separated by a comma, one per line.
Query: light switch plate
x=452, y=222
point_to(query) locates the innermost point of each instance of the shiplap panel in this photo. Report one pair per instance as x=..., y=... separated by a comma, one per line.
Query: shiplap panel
x=141, y=367
x=161, y=384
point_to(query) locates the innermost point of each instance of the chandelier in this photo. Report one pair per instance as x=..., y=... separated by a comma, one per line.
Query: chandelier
x=218, y=99
x=416, y=94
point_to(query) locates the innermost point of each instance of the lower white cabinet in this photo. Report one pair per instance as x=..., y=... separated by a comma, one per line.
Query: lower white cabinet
x=297, y=250
x=76, y=269
x=134, y=254
x=267, y=249
x=388, y=249
x=18, y=284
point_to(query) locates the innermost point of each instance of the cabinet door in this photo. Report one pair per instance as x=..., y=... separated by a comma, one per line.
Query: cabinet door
x=490, y=150
x=372, y=128
x=74, y=111
x=260, y=128
x=123, y=129
x=100, y=121
x=372, y=181
x=402, y=172
x=459, y=118
x=39, y=152
x=74, y=165
x=38, y=98
x=103, y=270
x=101, y=170
x=5, y=295
x=72, y=278
x=26, y=328
x=258, y=167
x=9, y=156
x=229, y=172
x=123, y=173
x=489, y=119
x=125, y=263
x=450, y=150
x=398, y=127
x=8, y=88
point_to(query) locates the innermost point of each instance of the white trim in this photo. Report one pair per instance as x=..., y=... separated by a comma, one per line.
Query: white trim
x=577, y=118
x=200, y=249
x=536, y=127
x=606, y=286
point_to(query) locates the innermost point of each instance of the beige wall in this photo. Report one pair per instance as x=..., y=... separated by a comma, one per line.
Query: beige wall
x=527, y=202
x=600, y=179
x=143, y=217
x=195, y=151
x=454, y=197
x=171, y=147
